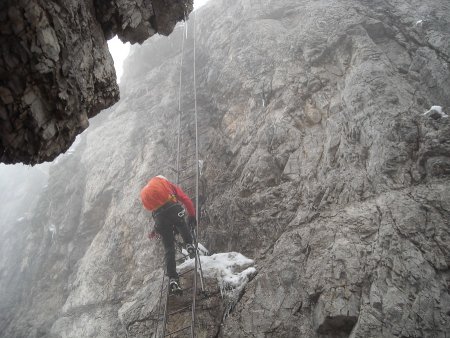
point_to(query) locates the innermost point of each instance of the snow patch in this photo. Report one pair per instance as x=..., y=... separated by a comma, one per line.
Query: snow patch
x=200, y=167
x=231, y=269
x=224, y=267
x=52, y=229
x=435, y=112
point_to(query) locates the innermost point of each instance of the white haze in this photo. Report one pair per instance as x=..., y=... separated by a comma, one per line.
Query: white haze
x=119, y=50
x=20, y=188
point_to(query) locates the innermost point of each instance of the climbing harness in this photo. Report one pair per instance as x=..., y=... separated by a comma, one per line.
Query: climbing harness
x=187, y=175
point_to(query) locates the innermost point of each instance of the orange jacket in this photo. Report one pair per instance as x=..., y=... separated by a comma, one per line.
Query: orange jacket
x=159, y=191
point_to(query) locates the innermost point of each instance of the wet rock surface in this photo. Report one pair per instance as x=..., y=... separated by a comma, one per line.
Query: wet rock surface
x=319, y=163
x=56, y=71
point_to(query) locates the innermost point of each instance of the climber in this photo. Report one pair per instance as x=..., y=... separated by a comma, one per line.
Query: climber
x=161, y=197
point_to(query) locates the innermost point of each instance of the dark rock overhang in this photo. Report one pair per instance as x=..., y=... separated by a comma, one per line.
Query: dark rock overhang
x=55, y=68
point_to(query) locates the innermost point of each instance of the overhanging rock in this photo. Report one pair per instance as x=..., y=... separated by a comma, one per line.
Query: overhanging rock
x=56, y=71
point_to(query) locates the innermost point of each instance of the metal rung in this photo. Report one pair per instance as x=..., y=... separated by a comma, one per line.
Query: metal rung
x=187, y=170
x=187, y=154
x=189, y=192
x=186, y=161
x=199, y=126
x=188, y=174
x=172, y=167
x=184, y=328
x=174, y=294
x=184, y=116
x=191, y=133
x=188, y=166
x=192, y=115
x=186, y=178
x=188, y=289
x=189, y=188
x=183, y=289
x=183, y=273
x=180, y=310
x=188, y=157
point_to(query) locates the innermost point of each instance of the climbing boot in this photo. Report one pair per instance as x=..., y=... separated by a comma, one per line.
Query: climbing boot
x=191, y=250
x=174, y=286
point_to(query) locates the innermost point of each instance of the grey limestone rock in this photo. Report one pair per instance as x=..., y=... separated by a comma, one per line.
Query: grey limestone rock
x=318, y=162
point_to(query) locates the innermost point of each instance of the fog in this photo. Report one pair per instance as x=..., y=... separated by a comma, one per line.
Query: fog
x=20, y=188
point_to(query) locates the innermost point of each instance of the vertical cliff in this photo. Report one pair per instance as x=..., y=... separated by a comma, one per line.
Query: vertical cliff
x=319, y=163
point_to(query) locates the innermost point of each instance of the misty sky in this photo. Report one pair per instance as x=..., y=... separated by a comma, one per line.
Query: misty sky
x=119, y=50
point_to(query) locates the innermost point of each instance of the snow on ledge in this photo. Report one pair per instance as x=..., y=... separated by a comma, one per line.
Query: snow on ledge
x=435, y=112
x=231, y=269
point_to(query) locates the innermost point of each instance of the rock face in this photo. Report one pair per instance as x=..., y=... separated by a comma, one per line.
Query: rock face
x=56, y=70
x=319, y=163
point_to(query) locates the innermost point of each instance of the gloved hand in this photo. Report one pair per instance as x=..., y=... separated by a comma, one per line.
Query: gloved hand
x=153, y=235
x=192, y=222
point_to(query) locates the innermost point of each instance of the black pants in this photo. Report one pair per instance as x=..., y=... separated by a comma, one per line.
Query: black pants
x=165, y=222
